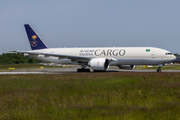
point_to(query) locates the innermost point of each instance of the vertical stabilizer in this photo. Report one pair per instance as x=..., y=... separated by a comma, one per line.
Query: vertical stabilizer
x=34, y=40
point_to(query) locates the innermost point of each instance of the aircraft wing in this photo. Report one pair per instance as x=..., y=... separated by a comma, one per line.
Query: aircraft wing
x=60, y=56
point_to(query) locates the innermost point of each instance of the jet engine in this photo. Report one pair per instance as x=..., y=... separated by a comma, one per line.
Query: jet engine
x=99, y=64
x=126, y=66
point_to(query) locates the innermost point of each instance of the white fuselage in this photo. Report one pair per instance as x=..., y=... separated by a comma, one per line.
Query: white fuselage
x=121, y=55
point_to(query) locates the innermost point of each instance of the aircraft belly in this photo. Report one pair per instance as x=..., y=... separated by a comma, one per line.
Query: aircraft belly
x=138, y=61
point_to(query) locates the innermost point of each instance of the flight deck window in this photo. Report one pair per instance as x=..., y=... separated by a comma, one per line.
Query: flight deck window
x=168, y=53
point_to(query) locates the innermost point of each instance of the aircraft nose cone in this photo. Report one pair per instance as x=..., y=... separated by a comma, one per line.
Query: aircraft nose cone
x=174, y=57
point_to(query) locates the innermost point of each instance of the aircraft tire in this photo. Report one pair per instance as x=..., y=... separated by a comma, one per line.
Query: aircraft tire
x=99, y=70
x=159, y=70
x=83, y=70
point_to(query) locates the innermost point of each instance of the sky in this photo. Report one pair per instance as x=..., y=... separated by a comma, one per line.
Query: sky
x=91, y=23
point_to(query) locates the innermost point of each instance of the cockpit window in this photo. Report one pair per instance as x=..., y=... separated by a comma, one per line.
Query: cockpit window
x=168, y=53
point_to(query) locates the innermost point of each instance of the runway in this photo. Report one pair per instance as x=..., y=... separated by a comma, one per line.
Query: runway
x=74, y=70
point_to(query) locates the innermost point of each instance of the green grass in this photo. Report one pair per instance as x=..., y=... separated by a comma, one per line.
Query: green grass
x=92, y=96
x=5, y=67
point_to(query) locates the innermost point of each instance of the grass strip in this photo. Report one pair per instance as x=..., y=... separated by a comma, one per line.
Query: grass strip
x=92, y=96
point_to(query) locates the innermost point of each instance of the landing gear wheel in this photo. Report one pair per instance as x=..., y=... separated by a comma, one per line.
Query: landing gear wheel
x=159, y=70
x=83, y=70
x=99, y=70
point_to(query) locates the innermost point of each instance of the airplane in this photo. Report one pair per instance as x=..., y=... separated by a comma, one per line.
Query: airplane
x=97, y=58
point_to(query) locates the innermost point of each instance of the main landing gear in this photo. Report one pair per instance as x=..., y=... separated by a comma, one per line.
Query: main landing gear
x=159, y=68
x=83, y=70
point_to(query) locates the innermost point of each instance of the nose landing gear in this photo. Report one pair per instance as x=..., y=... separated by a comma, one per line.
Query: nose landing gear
x=159, y=68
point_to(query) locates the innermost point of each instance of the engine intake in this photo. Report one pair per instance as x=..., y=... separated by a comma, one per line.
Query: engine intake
x=99, y=64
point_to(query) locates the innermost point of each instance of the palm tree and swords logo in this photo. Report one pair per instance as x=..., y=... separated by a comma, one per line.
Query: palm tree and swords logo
x=33, y=41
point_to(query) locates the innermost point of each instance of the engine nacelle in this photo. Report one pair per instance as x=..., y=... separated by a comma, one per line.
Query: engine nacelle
x=126, y=66
x=99, y=64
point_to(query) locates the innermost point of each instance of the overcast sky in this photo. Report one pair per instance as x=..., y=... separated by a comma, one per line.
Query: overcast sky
x=91, y=23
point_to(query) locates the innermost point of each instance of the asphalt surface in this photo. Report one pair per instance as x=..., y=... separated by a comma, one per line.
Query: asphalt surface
x=74, y=70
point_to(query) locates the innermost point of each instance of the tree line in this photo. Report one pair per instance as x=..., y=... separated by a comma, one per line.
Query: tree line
x=176, y=54
x=16, y=58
